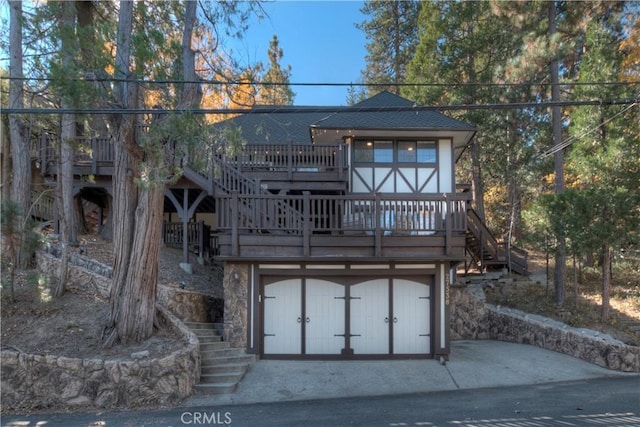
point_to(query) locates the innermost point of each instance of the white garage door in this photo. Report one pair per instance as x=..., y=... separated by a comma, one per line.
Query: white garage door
x=411, y=323
x=370, y=317
x=324, y=328
x=376, y=326
x=283, y=317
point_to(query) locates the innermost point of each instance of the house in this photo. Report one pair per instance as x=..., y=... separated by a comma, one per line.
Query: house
x=340, y=230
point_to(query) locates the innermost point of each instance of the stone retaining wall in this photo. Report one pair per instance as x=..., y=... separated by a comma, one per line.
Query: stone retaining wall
x=473, y=318
x=190, y=306
x=54, y=381
x=83, y=272
x=235, y=284
x=58, y=381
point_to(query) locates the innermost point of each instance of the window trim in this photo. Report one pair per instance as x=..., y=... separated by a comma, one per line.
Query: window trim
x=396, y=142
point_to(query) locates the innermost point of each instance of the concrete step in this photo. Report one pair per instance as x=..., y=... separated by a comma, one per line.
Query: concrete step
x=220, y=352
x=225, y=377
x=213, y=345
x=209, y=338
x=206, y=332
x=238, y=358
x=200, y=325
x=211, y=369
x=216, y=388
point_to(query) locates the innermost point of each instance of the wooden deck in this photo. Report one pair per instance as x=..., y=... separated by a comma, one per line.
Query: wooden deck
x=362, y=226
x=275, y=166
x=289, y=200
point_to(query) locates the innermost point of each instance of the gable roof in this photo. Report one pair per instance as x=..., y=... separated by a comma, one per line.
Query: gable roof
x=384, y=112
x=269, y=126
x=388, y=111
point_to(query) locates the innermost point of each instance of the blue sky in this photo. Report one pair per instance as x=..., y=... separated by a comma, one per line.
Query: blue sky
x=320, y=42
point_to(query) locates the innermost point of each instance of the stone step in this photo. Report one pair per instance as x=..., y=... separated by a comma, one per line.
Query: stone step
x=221, y=352
x=224, y=377
x=200, y=325
x=238, y=358
x=209, y=339
x=213, y=345
x=216, y=388
x=205, y=333
x=210, y=369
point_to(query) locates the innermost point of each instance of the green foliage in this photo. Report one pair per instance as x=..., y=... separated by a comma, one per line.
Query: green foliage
x=392, y=34
x=279, y=93
x=17, y=235
x=590, y=217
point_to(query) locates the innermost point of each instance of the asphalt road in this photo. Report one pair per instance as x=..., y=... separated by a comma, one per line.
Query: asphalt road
x=602, y=401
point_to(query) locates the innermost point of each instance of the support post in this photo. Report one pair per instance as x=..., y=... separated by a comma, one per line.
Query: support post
x=184, y=215
x=377, y=212
x=447, y=224
x=289, y=160
x=306, y=226
x=235, y=250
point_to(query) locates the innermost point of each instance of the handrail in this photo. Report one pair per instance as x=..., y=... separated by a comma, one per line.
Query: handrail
x=232, y=180
x=290, y=157
x=482, y=233
x=391, y=214
x=513, y=257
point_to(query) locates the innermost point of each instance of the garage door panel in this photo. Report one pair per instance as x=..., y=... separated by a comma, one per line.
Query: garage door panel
x=282, y=311
x=370, y=317
x=325, y=317
x=411, y=317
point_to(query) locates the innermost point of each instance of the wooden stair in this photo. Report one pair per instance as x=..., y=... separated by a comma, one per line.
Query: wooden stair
x=487, y=253
x=222, y=367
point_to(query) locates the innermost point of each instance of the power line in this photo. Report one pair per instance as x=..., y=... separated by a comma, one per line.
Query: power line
x=567, y=142
x=319, y=84
x=321, y=109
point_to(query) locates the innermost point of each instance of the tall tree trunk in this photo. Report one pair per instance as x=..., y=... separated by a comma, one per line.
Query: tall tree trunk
x=67, y=141
x=396, y=48
x=137, y=207
x=606, y=281
x=476, y=179
x=6, y=161
x=106, y=229
x=558, y=159
x=79, y=217
x=21, y=165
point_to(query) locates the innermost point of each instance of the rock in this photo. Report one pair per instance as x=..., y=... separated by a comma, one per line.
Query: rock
x=140, y=355
x=79, y=400
x=186, y=267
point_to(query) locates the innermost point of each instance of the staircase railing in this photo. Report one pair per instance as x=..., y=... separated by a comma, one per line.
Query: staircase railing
x=271, y=212
x=489, y=251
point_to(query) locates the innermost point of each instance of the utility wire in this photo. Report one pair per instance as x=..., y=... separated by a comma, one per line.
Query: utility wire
x=319, y=84
x=284, y=109
x=567, y=142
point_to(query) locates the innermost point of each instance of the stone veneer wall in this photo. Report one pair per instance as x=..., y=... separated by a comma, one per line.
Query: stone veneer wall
x=187, y=305
x=235, y=284
x=83, y=271
x=50, y=380
x=58, y=380
x=473, y=318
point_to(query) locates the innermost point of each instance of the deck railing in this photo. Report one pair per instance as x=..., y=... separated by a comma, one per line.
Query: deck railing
x=285, y=157
x=199, y=237
x=386, y=214
x=290, y=158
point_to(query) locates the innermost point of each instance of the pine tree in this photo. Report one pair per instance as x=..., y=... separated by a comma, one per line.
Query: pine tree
x=465, y=42
x=603, y=159
x=392, y=34
x=274, y=88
